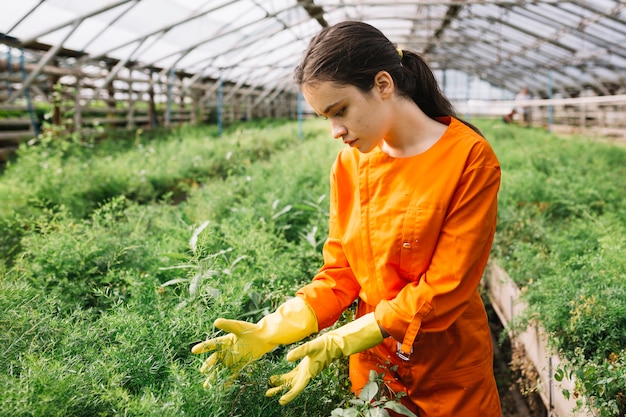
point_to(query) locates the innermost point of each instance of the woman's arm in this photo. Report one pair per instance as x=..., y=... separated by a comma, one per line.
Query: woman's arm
x=334, y=287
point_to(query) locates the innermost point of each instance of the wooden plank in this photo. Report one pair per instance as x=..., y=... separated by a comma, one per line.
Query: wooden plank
x=102, y=110
x=13, y=107
x=13, y=78
x=8, y=138
x=15, y=122
x=180, y=117
x=104, y=120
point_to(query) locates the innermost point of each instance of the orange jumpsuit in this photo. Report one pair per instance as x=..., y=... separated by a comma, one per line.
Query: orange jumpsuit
x=410, y=237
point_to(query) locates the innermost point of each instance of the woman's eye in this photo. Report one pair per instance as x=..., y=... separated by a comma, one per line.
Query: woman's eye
x=339, y=113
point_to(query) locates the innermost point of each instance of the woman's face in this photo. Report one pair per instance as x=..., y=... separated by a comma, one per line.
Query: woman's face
x=360, y=119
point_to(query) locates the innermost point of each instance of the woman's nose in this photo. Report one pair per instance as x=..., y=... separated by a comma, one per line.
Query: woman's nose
x=338, y=130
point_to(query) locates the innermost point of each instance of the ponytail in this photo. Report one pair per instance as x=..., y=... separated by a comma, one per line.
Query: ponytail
x=417, y=82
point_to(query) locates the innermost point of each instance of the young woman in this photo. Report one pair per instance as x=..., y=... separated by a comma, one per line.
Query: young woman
x=412, y=219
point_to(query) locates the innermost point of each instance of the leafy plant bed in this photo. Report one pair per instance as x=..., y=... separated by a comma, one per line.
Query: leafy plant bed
x=79, y=175
x=538, y=365
x=518, y=396
x=561, y=237
x=99, y=311
x=115, y=257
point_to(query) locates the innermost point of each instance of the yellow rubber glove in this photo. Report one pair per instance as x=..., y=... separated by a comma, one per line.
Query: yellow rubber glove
x=317, y=354
x=245, y=342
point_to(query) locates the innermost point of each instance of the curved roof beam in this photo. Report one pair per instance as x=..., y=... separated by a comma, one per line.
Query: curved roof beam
x=613, y=15
x=213, y=37
x=517, y=73
x=25, y=16
x=517, y=41
x=451, y=14
x=111, y=23
x=553, y=40
x=165, y=28
x=199, y=74
x=511, y=54
x=577, y=30
x=79, y=19
x=238, y=63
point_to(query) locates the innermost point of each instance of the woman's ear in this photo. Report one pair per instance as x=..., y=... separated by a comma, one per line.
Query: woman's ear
x=383, y=83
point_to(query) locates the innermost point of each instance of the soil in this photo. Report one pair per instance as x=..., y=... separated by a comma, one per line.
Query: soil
x=516, y=378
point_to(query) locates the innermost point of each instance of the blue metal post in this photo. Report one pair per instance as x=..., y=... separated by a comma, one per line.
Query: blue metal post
x=220, y=94
x=300, y=108
x=10, y=69
x=29, y=102
x=168, y=113
x=550, y=107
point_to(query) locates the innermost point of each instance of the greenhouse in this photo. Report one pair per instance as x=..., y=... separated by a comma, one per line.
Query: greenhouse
x=165, y=164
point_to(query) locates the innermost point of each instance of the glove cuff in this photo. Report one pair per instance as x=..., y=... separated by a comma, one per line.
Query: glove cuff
x=291, y=322
x=359, y=335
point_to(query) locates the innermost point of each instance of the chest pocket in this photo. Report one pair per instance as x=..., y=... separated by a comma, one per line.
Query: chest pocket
x=420, y=233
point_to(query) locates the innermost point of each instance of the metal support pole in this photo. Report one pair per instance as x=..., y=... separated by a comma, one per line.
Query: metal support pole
x=10, y=70
x=220, y=95
x=29, y=102
x=468, y=89
x=550, y=107
x=170, y=86
x=300, y=108
x=444, y=82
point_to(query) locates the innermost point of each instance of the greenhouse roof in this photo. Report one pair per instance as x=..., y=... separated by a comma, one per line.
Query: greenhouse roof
x=576, y=45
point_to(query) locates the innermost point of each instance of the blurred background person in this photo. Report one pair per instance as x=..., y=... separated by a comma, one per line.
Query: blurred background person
x=524, y=112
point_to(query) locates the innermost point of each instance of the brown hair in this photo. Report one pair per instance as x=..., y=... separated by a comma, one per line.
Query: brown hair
x=352, y=53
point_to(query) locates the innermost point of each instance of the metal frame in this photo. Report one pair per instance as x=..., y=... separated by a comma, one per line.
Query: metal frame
x=508, y=43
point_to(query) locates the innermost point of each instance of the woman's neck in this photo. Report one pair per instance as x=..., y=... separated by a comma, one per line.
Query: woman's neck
x=412, y=132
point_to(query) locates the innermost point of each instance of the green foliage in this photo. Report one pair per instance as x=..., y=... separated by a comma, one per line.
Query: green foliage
x=79, y=260
x=82, y=363
x=560, y=236
x=69, y=173
x=373, y=401
x=107, y=282
x=116, y=256
x=80, y=176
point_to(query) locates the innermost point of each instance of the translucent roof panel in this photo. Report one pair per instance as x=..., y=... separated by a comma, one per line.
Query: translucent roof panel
x=507, y=43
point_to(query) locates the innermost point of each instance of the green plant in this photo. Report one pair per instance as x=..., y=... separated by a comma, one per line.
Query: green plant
x=602, y=384
x=373, y=401
x=110, y=273
x=112, y=252
x=560, y=236
x=200, y=266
